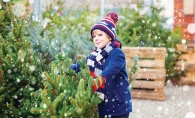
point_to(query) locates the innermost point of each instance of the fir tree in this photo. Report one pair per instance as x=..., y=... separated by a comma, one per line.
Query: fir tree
x=60, y=30
x=20, y=70
x=66, y=93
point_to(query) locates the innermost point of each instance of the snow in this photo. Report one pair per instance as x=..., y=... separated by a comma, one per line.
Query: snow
x=179, y=103
x=32, y=68
x=185, y=88
x=6, y=0
x=9, y=71
x=44, y=106
x=18, y=80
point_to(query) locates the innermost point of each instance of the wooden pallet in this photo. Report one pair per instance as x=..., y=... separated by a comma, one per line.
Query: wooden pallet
x=150, y=76
x=186, y=62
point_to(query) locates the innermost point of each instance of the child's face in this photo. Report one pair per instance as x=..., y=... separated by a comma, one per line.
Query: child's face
x=100, y=38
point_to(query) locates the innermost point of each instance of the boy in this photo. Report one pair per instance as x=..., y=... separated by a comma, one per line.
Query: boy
x=107, y=66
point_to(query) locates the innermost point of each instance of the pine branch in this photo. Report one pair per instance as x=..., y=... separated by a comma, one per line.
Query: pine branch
x=44, y=97
x=12, y=108
x=50, y=80
x=13, y=20
x=38, y=110
x=73, y=101
x=80, y=91
x=58, y=99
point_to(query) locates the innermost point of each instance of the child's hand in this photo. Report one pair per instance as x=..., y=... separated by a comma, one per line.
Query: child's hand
x=75, y=67
x=98, y=82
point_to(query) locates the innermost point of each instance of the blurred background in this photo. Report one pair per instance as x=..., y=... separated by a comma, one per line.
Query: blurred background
x=177, y=12
x=40, y=39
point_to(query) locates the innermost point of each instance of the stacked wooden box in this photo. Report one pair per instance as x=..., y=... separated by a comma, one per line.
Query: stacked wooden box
x=186, y=62
x=151, y=73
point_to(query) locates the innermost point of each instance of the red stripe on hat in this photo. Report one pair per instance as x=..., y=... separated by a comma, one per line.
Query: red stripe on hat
x=109, y=20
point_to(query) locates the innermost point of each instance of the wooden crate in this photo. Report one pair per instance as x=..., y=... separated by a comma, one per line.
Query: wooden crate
x=151, y=73
x=186, y=62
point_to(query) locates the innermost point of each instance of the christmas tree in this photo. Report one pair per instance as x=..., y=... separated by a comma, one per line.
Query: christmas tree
x=20, y=69
x=60, y=30
x=27, y=91
x=60, y=98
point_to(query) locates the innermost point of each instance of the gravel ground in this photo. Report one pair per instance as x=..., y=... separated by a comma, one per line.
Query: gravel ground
x=179, y=103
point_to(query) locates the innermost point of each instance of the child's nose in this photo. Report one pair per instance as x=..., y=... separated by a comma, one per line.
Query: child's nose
x=95, y=38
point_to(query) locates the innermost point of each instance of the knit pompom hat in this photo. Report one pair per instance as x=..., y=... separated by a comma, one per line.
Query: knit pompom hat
x=108, y=24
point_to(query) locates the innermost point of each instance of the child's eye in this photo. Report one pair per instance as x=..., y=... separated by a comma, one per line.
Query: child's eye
x=93, y=36
x=100, y=34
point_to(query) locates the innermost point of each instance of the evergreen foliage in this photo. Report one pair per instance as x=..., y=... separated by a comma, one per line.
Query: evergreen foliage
x=29, y=88
x=20, y=70
x=4, y=20
x=59, y=96
x=138, y=29
x=60, y=31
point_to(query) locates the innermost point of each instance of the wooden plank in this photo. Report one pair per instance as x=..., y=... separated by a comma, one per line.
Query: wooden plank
x=144, y=52
x=190, y=57
x=155, y=74
x=183, y=57
x=186, y=81
x=147, y=84
x=158, y=63
x=185, y=47
x=148, y=94
x=191, y=75
x=183, y=65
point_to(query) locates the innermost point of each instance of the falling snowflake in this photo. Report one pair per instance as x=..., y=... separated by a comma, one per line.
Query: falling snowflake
x=22, y=59
x=190, y=115
x=15, y=96
x=42, y=75
x=32, y=68
x=191, y=28
x=185, y=88
x=44, y=106
x=183, y=41
x=159, y=108
x=6, y=0
x=18, y=80
x=65, y=114
x=106, y=100
x=9, y=71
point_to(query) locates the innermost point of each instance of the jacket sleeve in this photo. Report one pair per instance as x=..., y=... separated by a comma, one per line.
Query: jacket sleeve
x=115, y=64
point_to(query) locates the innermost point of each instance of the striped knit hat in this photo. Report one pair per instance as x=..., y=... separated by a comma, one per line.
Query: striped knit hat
x=108, y=25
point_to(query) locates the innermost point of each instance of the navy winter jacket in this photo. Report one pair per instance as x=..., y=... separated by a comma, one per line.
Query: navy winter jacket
x=117, y=88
